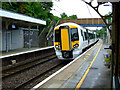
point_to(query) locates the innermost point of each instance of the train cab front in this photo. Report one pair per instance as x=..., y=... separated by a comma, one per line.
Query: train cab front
x=64, y=42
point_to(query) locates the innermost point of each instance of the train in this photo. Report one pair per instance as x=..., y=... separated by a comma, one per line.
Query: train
x=70, y=39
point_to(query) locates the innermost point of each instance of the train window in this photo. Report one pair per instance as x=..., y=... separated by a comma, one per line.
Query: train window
x=57, y=36
x=74, y=34
x=85, y=35
x=91, y=36
x=82, y=34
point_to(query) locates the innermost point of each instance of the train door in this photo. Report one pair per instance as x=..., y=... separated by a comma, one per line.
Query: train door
x=66, y=42
x=65, y=38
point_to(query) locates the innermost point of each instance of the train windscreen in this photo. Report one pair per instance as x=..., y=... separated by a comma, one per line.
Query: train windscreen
x=57, y=36
x=74, y=34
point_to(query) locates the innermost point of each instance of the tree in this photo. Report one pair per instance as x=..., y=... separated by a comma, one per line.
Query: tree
x=64, y=16
x=39, y=10
x=108, y=19
x=73, y=17
x=102, y=32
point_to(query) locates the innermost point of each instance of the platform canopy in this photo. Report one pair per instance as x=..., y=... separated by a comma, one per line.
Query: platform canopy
x=16, y=16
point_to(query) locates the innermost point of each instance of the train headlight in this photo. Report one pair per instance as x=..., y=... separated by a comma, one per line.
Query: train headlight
x=76, y=45
x=57, y=47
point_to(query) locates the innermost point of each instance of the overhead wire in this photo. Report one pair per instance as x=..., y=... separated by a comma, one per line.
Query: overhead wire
x=56, y=10
x=89, y=10
x=59, y=7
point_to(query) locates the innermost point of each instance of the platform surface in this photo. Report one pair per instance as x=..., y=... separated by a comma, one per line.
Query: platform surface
x=73, y=75
x=21, y=51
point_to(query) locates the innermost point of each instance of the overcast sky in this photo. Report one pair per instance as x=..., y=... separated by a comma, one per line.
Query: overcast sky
x=77, y=7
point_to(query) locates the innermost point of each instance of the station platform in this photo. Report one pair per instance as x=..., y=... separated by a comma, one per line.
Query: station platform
x=21, y=51
x=86, y=71
x=3, y=53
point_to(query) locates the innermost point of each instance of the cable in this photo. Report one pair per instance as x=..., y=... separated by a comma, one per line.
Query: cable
x=56, y=11
x=59, y=7
x=89, y=10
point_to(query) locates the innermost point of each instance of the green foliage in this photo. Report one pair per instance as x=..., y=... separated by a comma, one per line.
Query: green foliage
x=102, y=32
x=108, y=19
x=64, y=16
x=39, y=10
x=73, y=17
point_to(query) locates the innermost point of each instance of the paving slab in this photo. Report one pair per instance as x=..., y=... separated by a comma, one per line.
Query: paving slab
x=97, y=77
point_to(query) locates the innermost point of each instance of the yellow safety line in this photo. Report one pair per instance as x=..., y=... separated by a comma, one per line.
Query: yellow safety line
x=81, y=81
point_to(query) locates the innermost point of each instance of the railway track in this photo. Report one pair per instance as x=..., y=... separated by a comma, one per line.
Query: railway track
x=44, y=74
x=23, y=75
x=28, y=74
x=26, y=65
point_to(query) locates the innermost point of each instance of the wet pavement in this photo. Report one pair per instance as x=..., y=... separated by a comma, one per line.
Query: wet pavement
x=99, y=74
x=90, y=63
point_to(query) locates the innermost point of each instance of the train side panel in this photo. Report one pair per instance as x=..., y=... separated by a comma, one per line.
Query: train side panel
x=69, y=40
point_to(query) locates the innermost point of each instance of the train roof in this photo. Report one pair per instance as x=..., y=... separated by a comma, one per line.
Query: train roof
x=72, y=25
x=69, y=24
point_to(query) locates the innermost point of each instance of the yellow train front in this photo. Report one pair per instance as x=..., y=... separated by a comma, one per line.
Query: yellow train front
x=67, y=41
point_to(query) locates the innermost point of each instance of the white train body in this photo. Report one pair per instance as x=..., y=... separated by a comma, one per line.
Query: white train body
x=70, y=39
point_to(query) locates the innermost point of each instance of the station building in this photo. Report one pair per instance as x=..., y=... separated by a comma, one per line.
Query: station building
x=18, y=31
